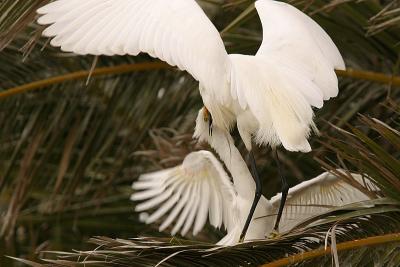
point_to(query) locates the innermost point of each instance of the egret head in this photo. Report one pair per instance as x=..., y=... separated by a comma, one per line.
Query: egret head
x=203, y=129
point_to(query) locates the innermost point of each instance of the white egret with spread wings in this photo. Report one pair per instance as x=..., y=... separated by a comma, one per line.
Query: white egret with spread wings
x=269, y=95
x=185, y=196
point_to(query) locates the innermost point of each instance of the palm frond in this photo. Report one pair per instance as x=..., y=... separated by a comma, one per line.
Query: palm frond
x=67, y=144
x=350, y=224
x=15, y=16
x=371, y=148
x=388, y=17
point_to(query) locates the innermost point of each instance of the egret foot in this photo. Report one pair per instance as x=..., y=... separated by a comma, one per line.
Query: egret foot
x=274, y=234
x=241, y=240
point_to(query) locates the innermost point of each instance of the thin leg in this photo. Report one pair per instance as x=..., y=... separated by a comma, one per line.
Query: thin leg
x=257, y=195
x=285, y=190
x=210, y=125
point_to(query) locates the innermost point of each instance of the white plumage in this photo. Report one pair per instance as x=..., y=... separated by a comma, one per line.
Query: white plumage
x=199, y=186
x=269, y=95
x=319, y=195
x=184, y=196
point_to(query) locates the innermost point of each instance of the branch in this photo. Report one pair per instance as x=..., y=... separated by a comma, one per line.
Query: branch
x=80, y=75
x=370, y=241
x=370, y=76
x=125, y=68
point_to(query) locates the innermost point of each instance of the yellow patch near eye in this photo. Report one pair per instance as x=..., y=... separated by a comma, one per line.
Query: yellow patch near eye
x=206, y=114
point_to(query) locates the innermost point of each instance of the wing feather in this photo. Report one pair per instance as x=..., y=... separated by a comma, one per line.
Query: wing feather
x=147, y=194
x=187, y=195
x=176, y=31
x=298, y=41
x=157, y=200
x=185, y=212
x=270, y=92
x=193, y=209
x=214, y=210
x=201, y=217
x=316, y=196
x=174, y=213
x=293, y=71
x=163, y=209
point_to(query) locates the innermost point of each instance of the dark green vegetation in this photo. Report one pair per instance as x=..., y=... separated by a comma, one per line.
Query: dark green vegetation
x=69, y=152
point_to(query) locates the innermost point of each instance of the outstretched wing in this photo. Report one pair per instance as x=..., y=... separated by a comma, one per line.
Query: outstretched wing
x=176, y=31
x=293, y=70
x=317, y=196
x=187, y=194
x=295, y=40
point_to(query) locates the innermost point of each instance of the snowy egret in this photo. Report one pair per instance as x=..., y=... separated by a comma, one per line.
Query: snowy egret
x=269, y=95
x=200, y=188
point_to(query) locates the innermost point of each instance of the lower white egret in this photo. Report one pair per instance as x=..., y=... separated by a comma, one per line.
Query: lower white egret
x=269, y=95
x=199, y=188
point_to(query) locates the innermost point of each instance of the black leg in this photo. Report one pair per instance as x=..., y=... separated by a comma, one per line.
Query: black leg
x=207, y=117
x=285, y=190
x=210, y=125
x=257, y=194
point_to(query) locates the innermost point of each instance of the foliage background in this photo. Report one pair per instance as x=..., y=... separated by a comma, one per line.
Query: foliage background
x=70, y=151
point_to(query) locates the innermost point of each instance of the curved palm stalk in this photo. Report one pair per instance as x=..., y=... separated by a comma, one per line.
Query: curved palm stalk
x=79, y=75
x=151, y=66
x=355, y=244
x=370, y=76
